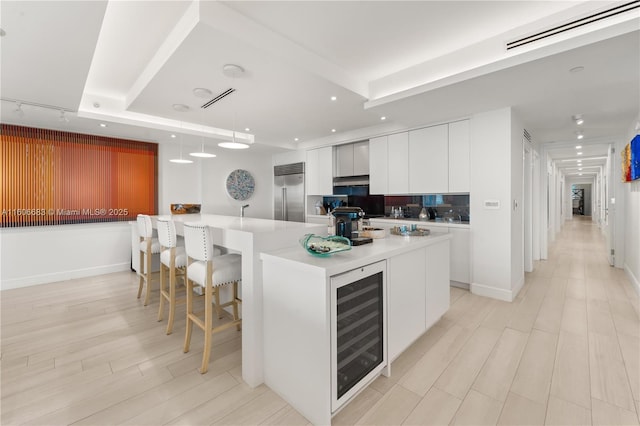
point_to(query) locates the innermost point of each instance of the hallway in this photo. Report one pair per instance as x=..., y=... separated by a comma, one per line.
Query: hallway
x=566, y=351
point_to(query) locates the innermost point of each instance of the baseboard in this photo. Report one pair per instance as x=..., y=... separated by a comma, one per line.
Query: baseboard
x=635, y=282
x=492, y=292
x=464, y=286
x=63, y=276
x=517, y=288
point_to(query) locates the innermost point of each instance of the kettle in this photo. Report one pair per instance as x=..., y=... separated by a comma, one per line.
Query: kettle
x=432, y=213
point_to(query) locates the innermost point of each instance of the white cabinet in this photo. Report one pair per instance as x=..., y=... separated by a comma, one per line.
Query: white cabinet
x=459, y=156
x=460, y=269
x=378, y=167
x=397, y=160
x=352, y=159
x=437, y=294
x=428, y=160
x=319, y=171
x=405, y=304
x=361, y=158
x=418, y=294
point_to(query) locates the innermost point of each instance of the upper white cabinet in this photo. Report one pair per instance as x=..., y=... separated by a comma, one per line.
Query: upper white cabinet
x=378, y=167
x=397, y=160
x=352, y=159
x=429, y=160
x=319, y=171
x=459, y=158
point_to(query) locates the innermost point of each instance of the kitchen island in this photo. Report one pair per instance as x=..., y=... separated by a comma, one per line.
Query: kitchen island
x=301, y=298
x=250, y=237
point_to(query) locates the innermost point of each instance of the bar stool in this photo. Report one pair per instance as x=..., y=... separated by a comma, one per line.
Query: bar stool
x=210, y=272
x=148, y=247
x=173, y=259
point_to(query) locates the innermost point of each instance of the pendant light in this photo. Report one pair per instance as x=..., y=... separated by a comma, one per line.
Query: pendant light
x=233, y=71
x=181, y=160
x=202, y=153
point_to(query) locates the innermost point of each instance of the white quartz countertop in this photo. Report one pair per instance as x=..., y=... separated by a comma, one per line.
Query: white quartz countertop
x=246, y=224
x=340, y=262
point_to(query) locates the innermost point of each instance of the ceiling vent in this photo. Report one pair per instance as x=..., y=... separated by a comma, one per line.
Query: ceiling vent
x=574, y=24
x=217, y=98
x=527, y=136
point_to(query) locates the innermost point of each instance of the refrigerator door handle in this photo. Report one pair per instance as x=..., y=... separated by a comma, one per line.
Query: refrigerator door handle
x=285, y=215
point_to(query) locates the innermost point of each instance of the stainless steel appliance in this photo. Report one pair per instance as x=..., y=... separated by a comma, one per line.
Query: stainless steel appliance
x=288, y=192
x=358, y=321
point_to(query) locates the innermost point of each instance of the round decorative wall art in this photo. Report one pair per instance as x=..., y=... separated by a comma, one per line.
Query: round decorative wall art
x=240, y=185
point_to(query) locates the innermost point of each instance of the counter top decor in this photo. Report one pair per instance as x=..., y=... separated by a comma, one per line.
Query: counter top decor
x=411, y=231
x=324, y=246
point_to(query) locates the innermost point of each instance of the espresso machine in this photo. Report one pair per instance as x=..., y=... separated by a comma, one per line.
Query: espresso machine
x=347, y=219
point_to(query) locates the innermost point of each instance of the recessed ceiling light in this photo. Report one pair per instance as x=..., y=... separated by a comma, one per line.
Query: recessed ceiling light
x=246, y=129
x=580, y=168
x=579, y=174
x=576, y=69
x=181, y=107
x=333, y=130
x=103, y=125
x=333, y=98
x=296, y=139
x=173, y=135
x=201, y=92
x=580, y=136
x=232, y=70
x=383, y=118
x=580, y=153
x=578, y=146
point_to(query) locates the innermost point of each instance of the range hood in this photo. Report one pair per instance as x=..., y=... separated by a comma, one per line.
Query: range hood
x=360, y=180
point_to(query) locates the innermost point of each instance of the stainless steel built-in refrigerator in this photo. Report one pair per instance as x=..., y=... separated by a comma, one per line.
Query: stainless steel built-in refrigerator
x=289, y=192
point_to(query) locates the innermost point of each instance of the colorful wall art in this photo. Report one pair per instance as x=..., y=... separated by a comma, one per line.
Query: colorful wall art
x=631, y=160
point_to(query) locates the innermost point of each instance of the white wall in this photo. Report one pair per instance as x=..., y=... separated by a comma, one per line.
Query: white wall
x=517, y=203
x=632, y=222
x=214, y=175
x=43, y=254
x=491, y=240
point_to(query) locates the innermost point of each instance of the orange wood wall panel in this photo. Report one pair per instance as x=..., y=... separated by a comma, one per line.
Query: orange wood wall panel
x=51, y=177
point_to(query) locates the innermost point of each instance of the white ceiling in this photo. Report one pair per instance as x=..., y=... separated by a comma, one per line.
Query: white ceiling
x=416, y=63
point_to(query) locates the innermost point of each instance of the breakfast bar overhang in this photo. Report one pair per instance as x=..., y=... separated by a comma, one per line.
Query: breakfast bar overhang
x=250, y=237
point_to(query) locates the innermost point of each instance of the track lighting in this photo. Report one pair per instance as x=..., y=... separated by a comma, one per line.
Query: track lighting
x=62, y=117
x=18, y=111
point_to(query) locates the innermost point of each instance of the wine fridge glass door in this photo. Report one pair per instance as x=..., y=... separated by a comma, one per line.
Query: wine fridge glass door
x=358, y=330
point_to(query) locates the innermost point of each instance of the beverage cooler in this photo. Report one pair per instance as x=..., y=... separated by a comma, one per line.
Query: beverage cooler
x=358, y=341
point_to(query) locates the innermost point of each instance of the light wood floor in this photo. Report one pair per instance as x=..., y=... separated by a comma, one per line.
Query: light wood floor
x=567, y=351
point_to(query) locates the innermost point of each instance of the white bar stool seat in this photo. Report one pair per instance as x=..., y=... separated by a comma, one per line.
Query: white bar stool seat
x=209, y=272
x=148, y=247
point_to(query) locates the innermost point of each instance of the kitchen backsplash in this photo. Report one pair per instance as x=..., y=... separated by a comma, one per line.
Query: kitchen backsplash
x=440, y=204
